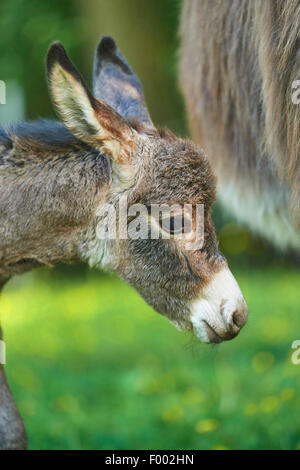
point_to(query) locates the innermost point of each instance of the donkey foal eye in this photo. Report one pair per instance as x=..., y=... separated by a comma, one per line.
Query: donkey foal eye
x=176, y=225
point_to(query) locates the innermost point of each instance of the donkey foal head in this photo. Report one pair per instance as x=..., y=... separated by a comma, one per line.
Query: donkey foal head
x=192, y=287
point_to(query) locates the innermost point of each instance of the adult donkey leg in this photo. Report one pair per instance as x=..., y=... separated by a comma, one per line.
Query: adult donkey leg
x=12, y=430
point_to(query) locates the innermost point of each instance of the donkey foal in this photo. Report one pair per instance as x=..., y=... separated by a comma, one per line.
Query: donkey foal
x=54, y=179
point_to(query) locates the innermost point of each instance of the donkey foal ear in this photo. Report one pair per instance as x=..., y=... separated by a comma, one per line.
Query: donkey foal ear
x=115, y=82
x=89, y=119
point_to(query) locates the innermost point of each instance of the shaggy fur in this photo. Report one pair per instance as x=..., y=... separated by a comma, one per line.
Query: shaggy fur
x=238, y=62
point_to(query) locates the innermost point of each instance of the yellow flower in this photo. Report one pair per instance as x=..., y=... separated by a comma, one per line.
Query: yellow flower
x=147, y=385
x=206, y=425
x=278, y=330
x=287, y=394
x=262, y=361
x=219, y=447
x=250, y=409
x=269, y=404
x=193, y=396
x=173, y=413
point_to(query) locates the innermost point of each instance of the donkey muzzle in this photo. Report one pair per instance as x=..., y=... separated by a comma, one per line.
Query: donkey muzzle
x=221, y=311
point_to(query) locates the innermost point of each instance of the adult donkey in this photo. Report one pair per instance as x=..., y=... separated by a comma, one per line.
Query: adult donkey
x=239, y=71
x=54, y=180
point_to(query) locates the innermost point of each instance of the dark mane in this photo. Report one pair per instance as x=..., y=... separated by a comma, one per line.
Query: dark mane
x=38, y=136
x=44, y=131
x=4, y=139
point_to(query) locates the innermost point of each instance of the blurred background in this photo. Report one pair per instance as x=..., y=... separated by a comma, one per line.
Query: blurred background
x=90, y=364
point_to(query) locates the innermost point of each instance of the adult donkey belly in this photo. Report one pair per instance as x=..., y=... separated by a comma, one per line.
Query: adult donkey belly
x=222, y=80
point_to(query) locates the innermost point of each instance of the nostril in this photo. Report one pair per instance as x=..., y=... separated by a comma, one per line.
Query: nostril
x=235, y=318
x=240, y=317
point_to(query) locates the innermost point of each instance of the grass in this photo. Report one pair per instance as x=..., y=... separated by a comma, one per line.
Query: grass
x=93, y=367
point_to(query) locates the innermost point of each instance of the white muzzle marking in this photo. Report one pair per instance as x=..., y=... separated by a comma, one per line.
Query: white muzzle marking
x=221, y=311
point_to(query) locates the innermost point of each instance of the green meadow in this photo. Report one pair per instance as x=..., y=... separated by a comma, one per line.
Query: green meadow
x=93, y=367
x=90, y=364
